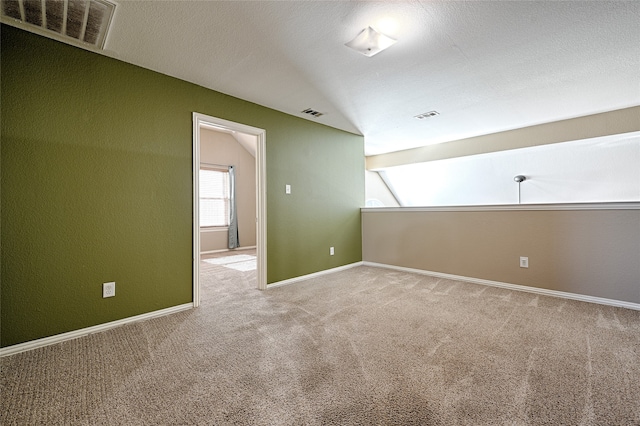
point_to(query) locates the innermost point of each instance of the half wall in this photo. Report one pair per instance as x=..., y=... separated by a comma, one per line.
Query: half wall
x=591, y=250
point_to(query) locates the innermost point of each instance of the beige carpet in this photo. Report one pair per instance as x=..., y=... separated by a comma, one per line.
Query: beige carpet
x=359, y=347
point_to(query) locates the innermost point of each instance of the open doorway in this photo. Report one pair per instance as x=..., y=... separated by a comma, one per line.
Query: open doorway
x=253, y=140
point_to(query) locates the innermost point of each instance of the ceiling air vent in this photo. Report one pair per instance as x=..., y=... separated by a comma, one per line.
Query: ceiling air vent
x=86, y=21
x=312, y=112
x=427, y=115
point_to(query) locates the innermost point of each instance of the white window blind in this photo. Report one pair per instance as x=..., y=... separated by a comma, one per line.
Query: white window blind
x=214, y=198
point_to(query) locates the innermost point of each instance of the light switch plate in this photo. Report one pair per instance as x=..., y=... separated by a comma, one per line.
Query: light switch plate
x=287, y=189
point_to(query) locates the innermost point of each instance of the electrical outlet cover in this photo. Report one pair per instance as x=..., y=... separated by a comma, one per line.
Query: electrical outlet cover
x=108, y=289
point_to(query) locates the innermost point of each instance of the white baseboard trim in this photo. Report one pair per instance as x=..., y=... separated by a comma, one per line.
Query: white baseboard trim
x=59, y=338
x=213, y=251
x=516, y=287
x=314, y=275
x=223, y=250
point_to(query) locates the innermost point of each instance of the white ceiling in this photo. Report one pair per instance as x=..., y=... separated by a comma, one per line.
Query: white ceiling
x=486, y=66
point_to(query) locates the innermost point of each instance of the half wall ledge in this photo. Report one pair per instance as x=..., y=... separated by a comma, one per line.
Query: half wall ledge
x=624, y=205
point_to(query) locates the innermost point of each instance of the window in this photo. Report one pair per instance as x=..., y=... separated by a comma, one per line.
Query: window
x=214, y=197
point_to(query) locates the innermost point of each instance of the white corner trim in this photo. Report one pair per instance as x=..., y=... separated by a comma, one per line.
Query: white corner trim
x=314, y=275
x=59, y=338
x=516, y=287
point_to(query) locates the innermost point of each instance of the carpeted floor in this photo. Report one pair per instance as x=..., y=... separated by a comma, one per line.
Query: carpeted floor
x=363, y=346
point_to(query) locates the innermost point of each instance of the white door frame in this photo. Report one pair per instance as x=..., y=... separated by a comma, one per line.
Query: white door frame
x=199, y=121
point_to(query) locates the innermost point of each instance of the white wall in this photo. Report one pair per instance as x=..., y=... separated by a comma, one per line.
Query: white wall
x=600, y=169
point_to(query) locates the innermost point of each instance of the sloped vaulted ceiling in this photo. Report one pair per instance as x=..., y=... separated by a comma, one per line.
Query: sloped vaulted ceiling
x=485, y=66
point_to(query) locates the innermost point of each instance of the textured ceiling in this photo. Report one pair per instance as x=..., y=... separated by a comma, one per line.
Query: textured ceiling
x=486, y=66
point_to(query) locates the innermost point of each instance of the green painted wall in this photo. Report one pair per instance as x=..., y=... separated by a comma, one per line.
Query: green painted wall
x=97, y=186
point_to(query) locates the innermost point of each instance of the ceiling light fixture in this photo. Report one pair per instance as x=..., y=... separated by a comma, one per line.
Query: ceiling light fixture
x=369, y=42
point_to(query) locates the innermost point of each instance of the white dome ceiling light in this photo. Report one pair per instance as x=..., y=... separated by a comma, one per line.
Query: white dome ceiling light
x=370, y=42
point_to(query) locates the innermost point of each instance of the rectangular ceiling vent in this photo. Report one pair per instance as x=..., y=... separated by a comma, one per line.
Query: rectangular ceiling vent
x=312, y=112
x=85, y=21
x=427, y=115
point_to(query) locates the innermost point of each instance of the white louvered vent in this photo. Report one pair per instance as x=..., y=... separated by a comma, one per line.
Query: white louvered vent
x=427, y=115
x=86, y=21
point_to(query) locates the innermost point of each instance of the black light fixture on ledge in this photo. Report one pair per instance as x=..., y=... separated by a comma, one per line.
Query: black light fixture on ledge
x=519, y=179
